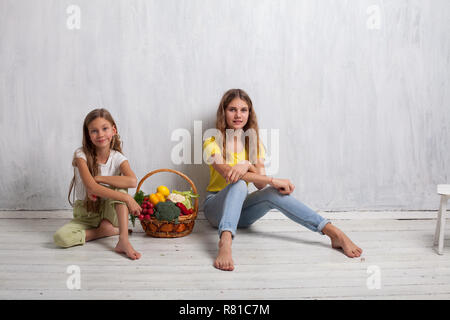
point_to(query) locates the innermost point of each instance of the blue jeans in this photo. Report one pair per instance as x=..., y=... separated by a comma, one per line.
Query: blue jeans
x=233, y=208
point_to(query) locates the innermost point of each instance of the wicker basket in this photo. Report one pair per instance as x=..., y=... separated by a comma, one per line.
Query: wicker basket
x=166, y=229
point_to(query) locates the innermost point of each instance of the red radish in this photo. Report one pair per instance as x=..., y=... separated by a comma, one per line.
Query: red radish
x=141, y=217
x=147, y=217
x=150, y=211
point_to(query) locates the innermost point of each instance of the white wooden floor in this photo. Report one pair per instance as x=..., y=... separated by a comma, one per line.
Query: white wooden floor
x=274, y=259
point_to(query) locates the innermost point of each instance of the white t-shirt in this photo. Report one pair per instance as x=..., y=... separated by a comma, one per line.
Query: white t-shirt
x=110, y=168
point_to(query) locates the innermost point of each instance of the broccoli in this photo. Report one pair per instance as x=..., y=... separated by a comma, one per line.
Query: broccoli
x=167, y=211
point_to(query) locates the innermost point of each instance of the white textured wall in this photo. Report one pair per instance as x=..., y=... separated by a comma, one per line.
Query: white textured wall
x=363, y=113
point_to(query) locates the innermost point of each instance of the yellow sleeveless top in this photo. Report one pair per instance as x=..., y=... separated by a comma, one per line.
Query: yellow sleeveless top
x=210, y=148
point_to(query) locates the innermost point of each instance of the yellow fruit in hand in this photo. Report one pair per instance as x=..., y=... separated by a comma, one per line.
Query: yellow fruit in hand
x=154, y=199
x=163, y=190
x=160, y=197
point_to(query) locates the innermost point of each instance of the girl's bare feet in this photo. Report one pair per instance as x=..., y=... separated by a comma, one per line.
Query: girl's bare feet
x=105, y=229
x=124, y=246
x=224, y=260
x=340, y=241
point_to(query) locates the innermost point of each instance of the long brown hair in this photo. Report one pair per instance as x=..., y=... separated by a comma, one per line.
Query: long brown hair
x=91, y=152
x=252, y=122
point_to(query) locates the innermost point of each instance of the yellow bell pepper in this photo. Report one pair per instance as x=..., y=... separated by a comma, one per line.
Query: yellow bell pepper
x=154, y=199
x=163, y=190
x=161, y=197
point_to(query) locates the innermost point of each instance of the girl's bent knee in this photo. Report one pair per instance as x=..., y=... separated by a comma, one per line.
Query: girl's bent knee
x=64, y=240
x=240, y=185
x=61, y=241
x=272, y=190
x=273, y=194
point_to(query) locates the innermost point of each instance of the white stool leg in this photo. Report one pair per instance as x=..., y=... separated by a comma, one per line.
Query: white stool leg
x=438, y=224
x=442, y=224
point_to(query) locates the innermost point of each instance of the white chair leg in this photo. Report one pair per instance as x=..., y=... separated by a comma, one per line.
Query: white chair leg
x=438, y=224
x=442, y=224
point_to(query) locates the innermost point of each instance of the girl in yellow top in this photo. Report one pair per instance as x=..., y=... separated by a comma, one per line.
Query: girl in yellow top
x=234, y=164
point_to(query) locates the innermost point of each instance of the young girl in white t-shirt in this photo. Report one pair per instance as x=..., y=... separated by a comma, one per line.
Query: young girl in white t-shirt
x=102, y=175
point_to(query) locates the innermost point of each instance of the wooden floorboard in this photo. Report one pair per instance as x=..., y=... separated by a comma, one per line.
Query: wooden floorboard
x=274, y=259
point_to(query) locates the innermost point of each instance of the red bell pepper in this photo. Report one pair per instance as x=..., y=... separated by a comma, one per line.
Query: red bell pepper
x=184, y=210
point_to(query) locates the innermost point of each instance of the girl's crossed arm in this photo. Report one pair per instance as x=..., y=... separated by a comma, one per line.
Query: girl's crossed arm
x=126, y=180
x=93, y=187
x=250, y=173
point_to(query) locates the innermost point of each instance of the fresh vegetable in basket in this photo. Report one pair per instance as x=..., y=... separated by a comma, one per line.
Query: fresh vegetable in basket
x=188, y=195
x=139, y=198
x=155, y=198
x=147, y=207
x=167, y=211
x=163, y=190
x=174, y=197
x=183, y=209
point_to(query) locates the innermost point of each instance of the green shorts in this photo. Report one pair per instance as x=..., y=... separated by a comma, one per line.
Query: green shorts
x=73, y=233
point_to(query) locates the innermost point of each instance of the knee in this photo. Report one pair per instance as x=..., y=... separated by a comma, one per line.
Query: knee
x=240, y=186
x=272, y=192
x=66, y=238
x=60, y=240
x=273, y=196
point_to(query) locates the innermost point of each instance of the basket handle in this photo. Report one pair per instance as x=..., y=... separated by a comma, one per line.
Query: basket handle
x=176, y=172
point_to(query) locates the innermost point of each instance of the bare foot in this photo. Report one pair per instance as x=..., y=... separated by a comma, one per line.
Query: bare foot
x=340, y=241
x=224, y=260
x=105, y=229
x=343, y=242
x=125, y=247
